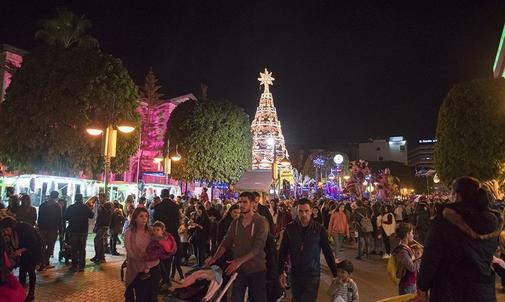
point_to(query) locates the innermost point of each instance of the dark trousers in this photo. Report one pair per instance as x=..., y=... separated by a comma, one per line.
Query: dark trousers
x=78, y=246
x=48, y=238
x=387, y=242
x=27, y=267
x=184, y=246
x=364, y=243
x=114, y=238
x=304, y=289
x=176, y=264
x=200, y=248
x=256, y=284
x=99, y=241
x=165, y=266
x=144, y=290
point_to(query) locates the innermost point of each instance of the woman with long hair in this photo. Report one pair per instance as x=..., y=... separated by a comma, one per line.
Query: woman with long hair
x=459, y=247
x=338, y=228
x=137, y=238
x=199, y=229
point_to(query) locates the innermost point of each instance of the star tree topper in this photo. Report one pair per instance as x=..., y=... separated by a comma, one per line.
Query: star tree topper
x=266, y=80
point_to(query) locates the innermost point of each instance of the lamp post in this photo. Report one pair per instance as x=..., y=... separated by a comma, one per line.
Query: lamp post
x=167, y=161
x=109, y=135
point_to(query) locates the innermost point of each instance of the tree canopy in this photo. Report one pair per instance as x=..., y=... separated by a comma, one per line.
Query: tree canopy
x=66, y=30
x=52, y=98
x=471, y=131
x=213, y=138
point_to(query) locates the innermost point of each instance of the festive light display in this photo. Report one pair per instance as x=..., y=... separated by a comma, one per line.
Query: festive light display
x=266, y=129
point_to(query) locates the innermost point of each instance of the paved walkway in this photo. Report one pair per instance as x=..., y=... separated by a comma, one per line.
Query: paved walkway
x=103, y=283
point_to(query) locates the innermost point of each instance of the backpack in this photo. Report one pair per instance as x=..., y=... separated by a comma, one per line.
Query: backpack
x=366, y=224
x=395, y=272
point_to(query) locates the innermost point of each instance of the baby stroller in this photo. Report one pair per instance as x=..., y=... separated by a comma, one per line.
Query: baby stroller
x=65, y=249
x=202, y=285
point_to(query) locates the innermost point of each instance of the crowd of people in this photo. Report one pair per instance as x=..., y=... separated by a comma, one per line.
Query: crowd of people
x=272, y=245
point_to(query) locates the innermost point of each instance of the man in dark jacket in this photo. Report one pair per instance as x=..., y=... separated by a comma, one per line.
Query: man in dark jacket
x=102, y=224
x=456, y=264
x=78, y=216
x=264, y=211
x=303, y=241
x=363, y=212
x=49, y=223
x=167, y=212
x=28, y=249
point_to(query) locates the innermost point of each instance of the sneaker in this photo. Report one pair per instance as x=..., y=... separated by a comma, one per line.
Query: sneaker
x=41, y=268
x=386, y=256
x=100, y=261
x=93, y=259
x=50, y=266
x=81, y=269
x=73, y=269
x=115, y=253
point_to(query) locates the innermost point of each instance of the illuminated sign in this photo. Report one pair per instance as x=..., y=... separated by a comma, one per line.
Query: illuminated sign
x=396, y=139
x=427, y=141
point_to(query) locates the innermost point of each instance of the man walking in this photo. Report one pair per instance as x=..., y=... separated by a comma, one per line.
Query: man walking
x=78, y=216
x=167, y=212
x=303, y=241
x=49, y=223
x=246, y=238
x=103, y=219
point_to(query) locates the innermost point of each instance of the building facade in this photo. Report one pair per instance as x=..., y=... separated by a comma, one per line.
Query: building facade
x=392, y=149
x=421, y=157
x=11, y=59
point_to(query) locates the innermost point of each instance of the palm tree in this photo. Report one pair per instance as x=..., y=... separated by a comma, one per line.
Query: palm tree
x=66, y=30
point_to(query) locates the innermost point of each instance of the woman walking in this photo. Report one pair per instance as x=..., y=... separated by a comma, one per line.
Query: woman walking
x=338, y=227
x=137, y=238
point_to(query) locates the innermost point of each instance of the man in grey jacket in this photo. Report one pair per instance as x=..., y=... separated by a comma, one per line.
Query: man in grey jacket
x=246, y=238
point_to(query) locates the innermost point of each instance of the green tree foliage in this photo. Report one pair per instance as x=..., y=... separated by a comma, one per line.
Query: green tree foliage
x=52, y=98
x=66, y=30
x=213, y=138
x=471, y=131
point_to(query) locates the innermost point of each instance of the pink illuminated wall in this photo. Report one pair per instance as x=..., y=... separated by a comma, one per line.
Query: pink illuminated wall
x=10, y=60
x=154, y=127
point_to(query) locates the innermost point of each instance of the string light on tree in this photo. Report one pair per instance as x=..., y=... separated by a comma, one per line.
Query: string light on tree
x=266, y=129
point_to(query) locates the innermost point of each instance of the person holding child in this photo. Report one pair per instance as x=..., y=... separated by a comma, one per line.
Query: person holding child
x=137, y=239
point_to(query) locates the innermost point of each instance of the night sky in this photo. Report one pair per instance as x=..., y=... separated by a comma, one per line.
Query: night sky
x=344, y=72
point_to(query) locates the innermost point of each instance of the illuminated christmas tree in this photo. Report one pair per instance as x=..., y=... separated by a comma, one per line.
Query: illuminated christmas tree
x=266, y=129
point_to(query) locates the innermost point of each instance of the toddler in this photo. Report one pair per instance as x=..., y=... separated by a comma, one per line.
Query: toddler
x=343, y=288
x=161, y=247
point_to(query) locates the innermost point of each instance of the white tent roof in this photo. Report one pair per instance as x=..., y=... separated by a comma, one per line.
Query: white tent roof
x=255, y=180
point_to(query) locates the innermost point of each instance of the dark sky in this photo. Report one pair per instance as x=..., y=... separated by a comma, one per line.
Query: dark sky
x=345, y=71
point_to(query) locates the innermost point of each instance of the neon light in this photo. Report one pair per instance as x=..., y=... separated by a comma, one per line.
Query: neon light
x=499, y=52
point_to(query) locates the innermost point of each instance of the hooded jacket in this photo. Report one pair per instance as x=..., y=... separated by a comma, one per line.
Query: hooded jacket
x=456, y=264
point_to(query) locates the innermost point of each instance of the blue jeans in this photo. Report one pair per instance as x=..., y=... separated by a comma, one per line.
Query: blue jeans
x=404, y=289
x=304, y=289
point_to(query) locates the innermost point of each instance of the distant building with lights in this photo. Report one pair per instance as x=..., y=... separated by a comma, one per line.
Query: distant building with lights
x=421, y=157
x=154, y=126
x=392, y=149
x=10, y=60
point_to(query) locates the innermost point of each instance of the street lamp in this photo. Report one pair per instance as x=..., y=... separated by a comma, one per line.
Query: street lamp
x=110, y=141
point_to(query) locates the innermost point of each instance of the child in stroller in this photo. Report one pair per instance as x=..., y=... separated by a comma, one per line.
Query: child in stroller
x=65, y=249
x=202, y=285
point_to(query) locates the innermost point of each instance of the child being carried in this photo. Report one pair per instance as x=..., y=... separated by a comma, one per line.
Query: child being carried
x=161, y=247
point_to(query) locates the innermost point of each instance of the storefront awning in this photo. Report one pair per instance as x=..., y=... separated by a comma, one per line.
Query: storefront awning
x=255, y=180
